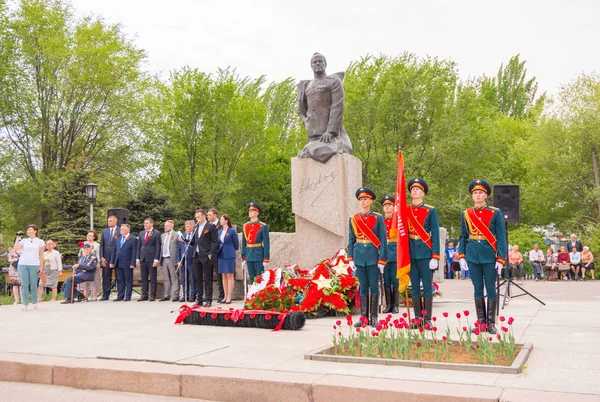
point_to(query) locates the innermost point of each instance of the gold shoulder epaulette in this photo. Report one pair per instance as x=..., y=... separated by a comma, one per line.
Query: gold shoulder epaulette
x=262, y=223
x=375, y=213
x=491, y=207
x=428, y=206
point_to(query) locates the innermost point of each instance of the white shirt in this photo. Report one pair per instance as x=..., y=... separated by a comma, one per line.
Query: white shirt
x=537, y=256
x=165, y=249
x=200, y=230
x=223, y=233
x=30, y=254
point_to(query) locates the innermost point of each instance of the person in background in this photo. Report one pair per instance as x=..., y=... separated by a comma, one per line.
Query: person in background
x=92, y=287
x=31, y=263
x=449, y=251
x=575, y=257
x=107, y=245
x=212, y=216
x=587, y=262
x=13, y=274
x=169, y=256
x=123, y=261
x=515, y=263
x=228, y=245
x=536, y=256
x=83, y=272
x=563, y=260
x=52, y=270
x=186, y=266
x=550, y=265
x=456, y=269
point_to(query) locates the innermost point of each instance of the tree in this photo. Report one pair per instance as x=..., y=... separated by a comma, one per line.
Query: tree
x=70, y=91
x=150, y=203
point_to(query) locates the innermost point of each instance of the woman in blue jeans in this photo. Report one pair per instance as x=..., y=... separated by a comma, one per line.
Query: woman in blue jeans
x=31, y=263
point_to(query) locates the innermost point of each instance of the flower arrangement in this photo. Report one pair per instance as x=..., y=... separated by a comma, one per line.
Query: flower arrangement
x=328, y=288
x=393, y=339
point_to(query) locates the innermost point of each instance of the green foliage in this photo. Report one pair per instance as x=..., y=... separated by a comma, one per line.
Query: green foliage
x=525, y=237
x=151, y=203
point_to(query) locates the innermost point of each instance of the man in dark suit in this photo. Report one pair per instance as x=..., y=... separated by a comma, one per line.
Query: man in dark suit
x=107, y=245
x=213, y=217
x=123, y=261
x=574, y=243
x=186, y=266
x=148, y=258
x=206, y=246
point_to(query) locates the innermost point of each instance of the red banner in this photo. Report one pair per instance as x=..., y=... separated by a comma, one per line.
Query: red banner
x=399, y=221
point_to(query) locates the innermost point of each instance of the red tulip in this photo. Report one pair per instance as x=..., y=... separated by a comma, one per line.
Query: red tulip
x=339, y=333
x=379, y=327
x=357, y=329
x=501, y=318
x=420, y=329
x=466, y=313
x=418, y=344
x=445, y=314
x=458, y=315
x=476, y=331
x=434, y=319
x=334, y=327
x=510, y=320
x=483, y=327
x=444, y=338
x=465, y=329
x=404, y=315
x=434, y=329
x=338, y=322
x=491, y=338
x=427, y=327
x=498, y=336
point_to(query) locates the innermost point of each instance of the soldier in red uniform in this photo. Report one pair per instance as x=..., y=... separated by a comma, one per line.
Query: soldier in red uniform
x=256, y=247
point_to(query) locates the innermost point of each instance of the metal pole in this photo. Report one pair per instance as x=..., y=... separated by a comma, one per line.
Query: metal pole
x=91, y=216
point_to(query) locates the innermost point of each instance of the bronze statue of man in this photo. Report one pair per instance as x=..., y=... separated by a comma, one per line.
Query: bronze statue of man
x=321, y=108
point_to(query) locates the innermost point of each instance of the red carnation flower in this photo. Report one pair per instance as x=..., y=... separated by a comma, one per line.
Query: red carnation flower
x=203, y=314
x=253, y=315
x=213, y=316
x=242, y=315
x=227, y=316
x=268, y=317
x=80, y=244
x=273, y=297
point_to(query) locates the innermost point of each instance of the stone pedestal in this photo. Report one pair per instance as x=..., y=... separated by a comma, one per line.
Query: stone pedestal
x=323, y=200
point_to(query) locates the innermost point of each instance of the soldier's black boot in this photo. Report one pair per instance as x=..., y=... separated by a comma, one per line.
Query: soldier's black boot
x=388, y=300
x=480, y=311
x=374, y=307
x=364, y=310
x=417, y=308
x=396, y=300
x=491, y=316
x=428, y=308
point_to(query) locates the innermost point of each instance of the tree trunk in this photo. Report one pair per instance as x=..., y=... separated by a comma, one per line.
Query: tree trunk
x=596, y=174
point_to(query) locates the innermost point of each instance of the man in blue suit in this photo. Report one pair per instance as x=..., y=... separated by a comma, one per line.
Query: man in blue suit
x=84, y=272
x=148, y=258
x=107, y=245
x=186, y=266
x=123, y=261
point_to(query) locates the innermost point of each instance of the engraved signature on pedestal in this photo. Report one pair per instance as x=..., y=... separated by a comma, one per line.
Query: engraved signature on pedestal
x=318, y=184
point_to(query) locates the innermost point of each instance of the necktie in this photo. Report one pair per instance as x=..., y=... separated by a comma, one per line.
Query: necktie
x=146, y=238
x=112, y=233
x=122, y=241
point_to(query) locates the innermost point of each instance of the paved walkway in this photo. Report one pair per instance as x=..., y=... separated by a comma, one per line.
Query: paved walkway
x=565, y=334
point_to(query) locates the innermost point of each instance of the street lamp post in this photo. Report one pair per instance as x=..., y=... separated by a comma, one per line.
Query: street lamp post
x=91, y=190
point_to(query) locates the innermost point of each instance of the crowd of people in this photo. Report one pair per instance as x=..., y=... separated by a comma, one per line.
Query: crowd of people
x=188, y=261
x=570, y=262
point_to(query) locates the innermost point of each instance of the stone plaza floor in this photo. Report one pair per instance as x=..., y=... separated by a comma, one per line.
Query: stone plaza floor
x=141, y=337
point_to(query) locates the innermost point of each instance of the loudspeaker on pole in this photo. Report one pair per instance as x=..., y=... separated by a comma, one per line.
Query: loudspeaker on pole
x=506, y=198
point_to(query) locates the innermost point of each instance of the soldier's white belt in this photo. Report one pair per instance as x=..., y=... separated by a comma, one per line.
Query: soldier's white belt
x=364, y=241
x=475, y=237
x=415, y=237
x=254, y=245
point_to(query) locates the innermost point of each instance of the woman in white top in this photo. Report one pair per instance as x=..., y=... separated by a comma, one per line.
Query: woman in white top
x=96, y=284
x=575, y=263
x=52, y=270
x=31, y=264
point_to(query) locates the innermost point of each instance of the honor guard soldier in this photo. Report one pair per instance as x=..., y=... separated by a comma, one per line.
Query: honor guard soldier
x=424, y=245
x=255, y=243
x=482, y=248
x=367, y=253
x=390, y=280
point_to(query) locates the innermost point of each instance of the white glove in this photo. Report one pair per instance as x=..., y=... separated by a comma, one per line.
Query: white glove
x=499, y=267
x=433, y=264
x=352, y=265
x=463, y=264
x=381, y=268
x=244, y=264
x=265, y=264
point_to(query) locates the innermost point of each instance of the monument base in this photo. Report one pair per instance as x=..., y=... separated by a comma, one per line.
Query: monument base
x=323, y=200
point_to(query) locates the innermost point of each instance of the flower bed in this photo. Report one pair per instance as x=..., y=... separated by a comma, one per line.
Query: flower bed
x=393, y=340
